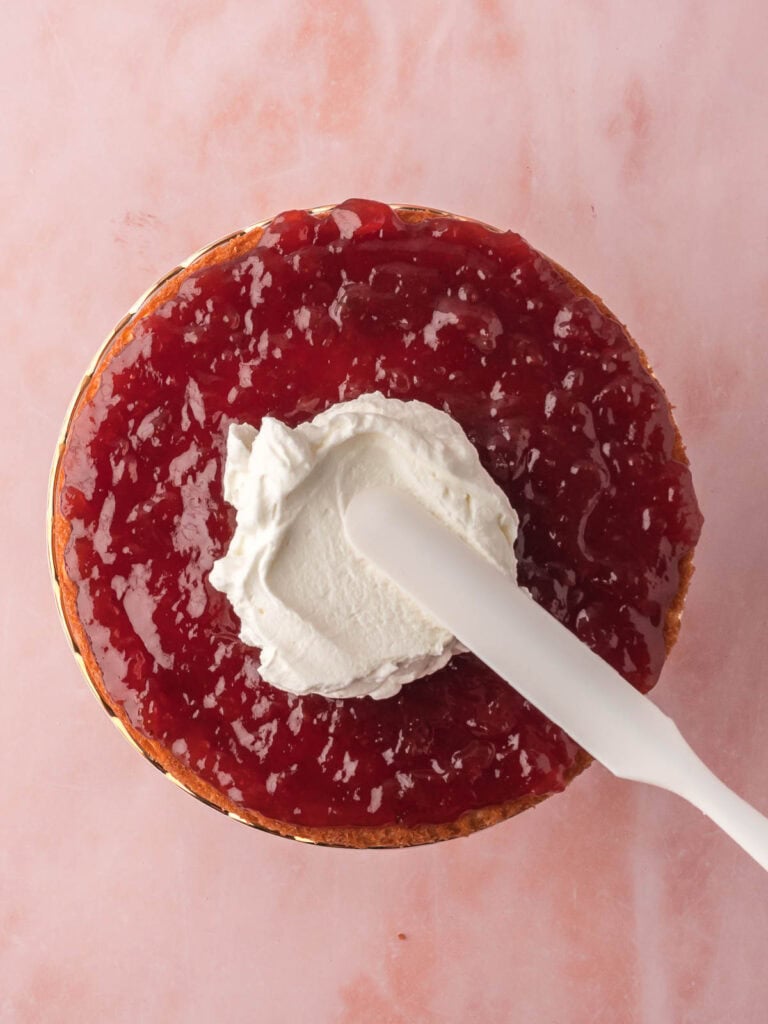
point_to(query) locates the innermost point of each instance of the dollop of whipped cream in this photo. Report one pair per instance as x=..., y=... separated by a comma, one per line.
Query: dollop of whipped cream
x=326, y=620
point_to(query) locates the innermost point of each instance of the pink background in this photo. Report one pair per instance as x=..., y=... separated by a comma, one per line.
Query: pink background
x=626, y=139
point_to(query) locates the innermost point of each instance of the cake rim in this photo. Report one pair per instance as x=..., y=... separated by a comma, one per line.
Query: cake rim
x=391, y=836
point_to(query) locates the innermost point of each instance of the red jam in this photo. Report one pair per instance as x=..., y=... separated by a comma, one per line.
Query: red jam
x=475, y=322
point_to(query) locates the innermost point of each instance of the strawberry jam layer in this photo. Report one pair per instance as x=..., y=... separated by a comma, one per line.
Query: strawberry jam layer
x=321, y=309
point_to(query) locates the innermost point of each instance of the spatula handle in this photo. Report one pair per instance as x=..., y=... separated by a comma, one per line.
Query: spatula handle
x=701, y=787
x=543, y=660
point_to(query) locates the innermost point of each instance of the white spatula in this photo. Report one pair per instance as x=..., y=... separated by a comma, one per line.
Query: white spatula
x=544, y=662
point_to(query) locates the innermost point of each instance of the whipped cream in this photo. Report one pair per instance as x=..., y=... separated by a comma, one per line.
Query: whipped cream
x=326, y=620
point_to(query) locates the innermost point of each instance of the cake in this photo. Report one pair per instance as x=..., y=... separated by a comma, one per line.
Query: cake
x=286, y=319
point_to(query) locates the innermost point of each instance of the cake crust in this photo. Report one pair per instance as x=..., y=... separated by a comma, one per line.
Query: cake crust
x=360, y=837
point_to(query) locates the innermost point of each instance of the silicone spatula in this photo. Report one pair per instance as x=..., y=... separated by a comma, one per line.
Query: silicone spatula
x=487, y=611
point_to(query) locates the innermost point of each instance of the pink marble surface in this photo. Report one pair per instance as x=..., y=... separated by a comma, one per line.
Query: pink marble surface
x=626, y=139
